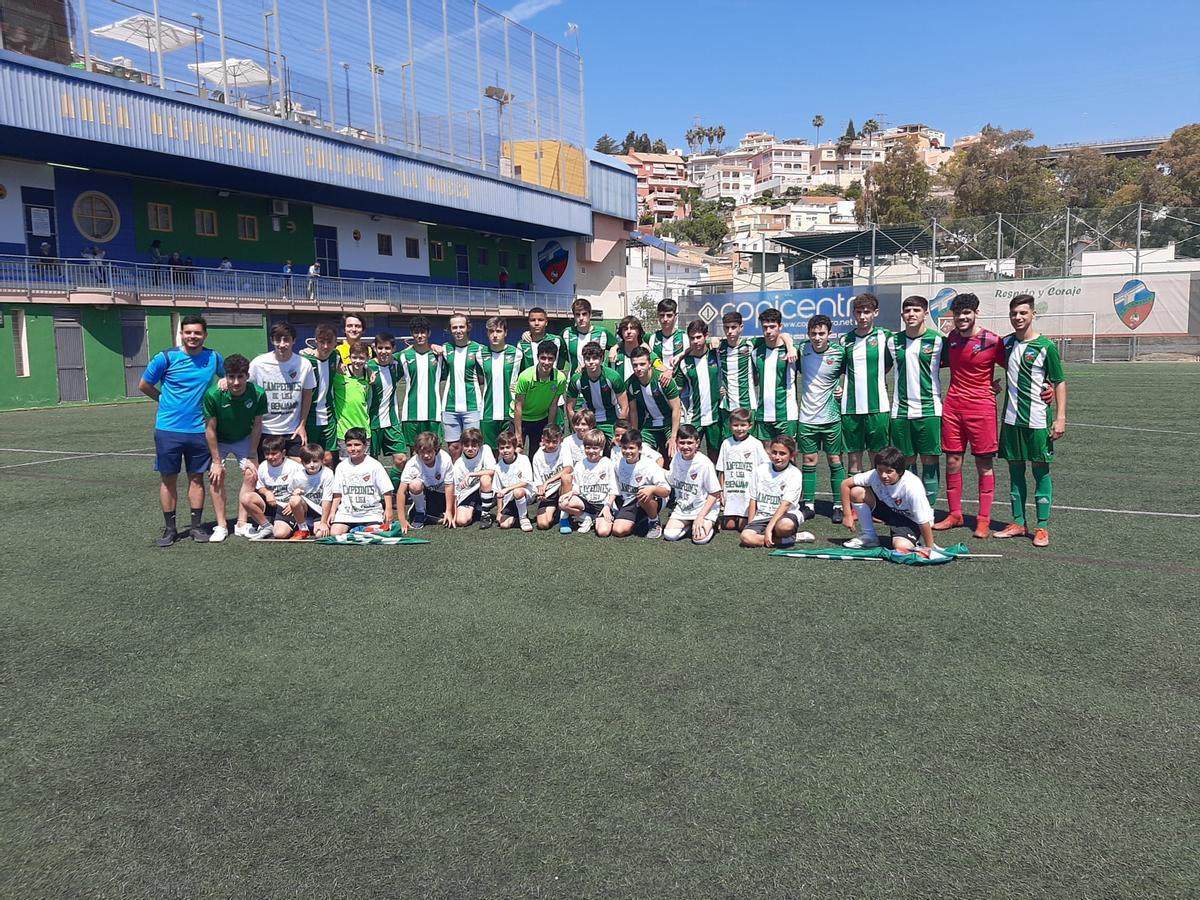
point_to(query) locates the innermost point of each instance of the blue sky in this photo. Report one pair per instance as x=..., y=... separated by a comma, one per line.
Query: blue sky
x=1070, y=70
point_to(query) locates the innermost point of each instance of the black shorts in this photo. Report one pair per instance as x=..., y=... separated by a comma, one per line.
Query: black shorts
x=307, y=523
x=759, y=523
x=900, y=524
x=550, y=502
x=435, y=503
x=631, y=512
x=592, y=509
x=290, y=448
x=510, y=509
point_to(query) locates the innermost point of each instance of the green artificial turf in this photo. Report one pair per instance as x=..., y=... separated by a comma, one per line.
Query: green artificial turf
x=506, y=715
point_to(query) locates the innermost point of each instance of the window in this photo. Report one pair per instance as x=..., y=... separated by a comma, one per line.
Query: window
x=412, y=248
x=435, y=251
x=482, y=256
x=384, y=244
x=247, y=228
x=206, y=223
x=502, y=258
x=20, y=343
x=159, y=217
x=96, y=216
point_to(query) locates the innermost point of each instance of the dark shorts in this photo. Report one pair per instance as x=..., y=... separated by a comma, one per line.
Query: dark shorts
x=549, y=503
x=900, y=524
x=632, y=512
x=759, y=523
x=306, y=523
x=290, y=448
x=435, y=502
x=592, y=509
x=174, y=450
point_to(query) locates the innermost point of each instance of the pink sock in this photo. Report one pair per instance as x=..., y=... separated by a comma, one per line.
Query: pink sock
x=954, y=490
x=987, y=492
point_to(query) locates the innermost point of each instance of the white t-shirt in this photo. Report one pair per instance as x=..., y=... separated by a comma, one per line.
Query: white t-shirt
x=276, y=478
x=363, y=488
x=314, y=486
x=648, y=452
x=738, y=460
x=548, y=465
x=771, y=488
x=573, y=445
x=508, y=474
x=632, y=478
x=595, y=482
x=435, y=476
x=284, y=384
x=693, y=480
x=464, y=487
x=906, y=496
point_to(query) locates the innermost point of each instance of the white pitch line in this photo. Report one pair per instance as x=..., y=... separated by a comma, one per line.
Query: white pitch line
x=78, y=452
x=1092, y=509
x=1071, y=425
x=42, y=462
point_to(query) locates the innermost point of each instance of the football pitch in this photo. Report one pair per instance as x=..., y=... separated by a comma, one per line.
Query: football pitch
x=495, y=714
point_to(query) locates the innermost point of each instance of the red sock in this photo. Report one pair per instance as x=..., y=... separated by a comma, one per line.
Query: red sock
x=954, y=492
x=987, y=493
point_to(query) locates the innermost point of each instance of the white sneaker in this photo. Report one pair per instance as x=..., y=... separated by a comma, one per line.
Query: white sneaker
x=654, y=533
x=586, y=524
x=805, y=537
x=218, y=534
x=243, y=530
x=861, y=543
x=526, y=525
x=261, y=532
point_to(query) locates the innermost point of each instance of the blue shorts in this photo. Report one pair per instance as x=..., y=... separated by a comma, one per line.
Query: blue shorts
x=175, y=449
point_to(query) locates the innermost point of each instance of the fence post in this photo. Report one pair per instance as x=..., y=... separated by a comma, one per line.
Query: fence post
x=999, y=241
x=1067, y=247
x=1137, y=258
x=933, y=254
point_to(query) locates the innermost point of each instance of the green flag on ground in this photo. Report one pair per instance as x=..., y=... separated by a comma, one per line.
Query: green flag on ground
x=357, y=538
x=935, y=557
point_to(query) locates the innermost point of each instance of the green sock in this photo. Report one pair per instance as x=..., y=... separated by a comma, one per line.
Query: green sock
x=1043, y=493
x=1018, y=490
x=931, y=476
x=837, y=474
x=808, y=481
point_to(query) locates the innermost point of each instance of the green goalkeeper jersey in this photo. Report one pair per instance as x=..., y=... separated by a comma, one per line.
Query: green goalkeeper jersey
x=867, y=362
x=1029, y=367
x=701, y=376
x=382, y=404
x=917, y=389
x=351, y=402
x=500, y=371
x=422, y=374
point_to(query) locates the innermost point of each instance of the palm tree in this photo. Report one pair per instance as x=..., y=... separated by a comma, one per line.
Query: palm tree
x=818, y=121
x=870, y=127
x=720, y=135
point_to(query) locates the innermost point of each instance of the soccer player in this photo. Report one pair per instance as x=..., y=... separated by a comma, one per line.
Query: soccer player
x=462, y=398
x=693, y=479
x=775, y=367
x=176, y=380
x=595, y=481
x=500, y=364
x=895, y=496
x=632, y=335
x=741, y=455
x=552, y=467
x=969, y=413
x=599, y=389
x=387, y=437
x=577, y=337
x=737, y=370
x=866, y=414
x=321, y=426
x=512, y=483
x=352, y=394
x=655, y=408
x=531, y=342
x=360, y=493
x=669, y=342
x=422, y=369
x=916, y=427
x=428, y=478
x=822, y=363
x=648, y=452
x=302, y=516
x=352, y=327
x=266, y=503
x=1028, y=435
x=472, y=475
x=698, y=375
x=232, y=425
x=774, y=516
x=287, y=379
x=642, y=487
x=536, y=396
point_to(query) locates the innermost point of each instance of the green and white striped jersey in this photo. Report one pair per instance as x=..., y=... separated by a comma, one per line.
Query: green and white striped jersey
x=500, y=371
x=575, y=342
x=1029, y=367
x=776, y=384
x=322, y=413
x=737, y=374
x=917, y=390
x=652, y=400
x=528, y=351
x=669, y=347
x=820, y=374
x=422, y=374
x=383, y=405
x=867, y=362
x=600, y=396
x=462, y=392
x=624, y=364
x=701, y=376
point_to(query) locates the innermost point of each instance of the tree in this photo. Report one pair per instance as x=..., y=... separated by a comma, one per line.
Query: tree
x=630, y=142
x=870, y=127
x=720, y=134
x=897, y=188
x=1000, y=173
x=1180, y=158
x=850, y=134
x=605, y=144
x=659, y=146
x=645, y=307
x=704, y=227
x=853, y=192
x=1085, y=177
x=818, y=122
x=643, y=143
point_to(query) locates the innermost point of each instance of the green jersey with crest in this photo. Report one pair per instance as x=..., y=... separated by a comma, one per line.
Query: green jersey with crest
x=669, y=347
x=500, y=371
x=322, y=413
x=528, y=351
x=701, y=376
x=917, y=389
x=867, y=362
x=1029, y=367
x=652, y=400
x=776, y=384
x=462, y=392
x=422, y=373
x=737, y=374
x=384, y=395
x=624, y=365
x=600, y=396
x=574, y=342
x=820, y=375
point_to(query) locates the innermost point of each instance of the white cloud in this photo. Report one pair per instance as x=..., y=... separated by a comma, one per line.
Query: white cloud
x=525, y=9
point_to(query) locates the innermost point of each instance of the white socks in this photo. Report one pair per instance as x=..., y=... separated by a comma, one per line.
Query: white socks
x=866, y=521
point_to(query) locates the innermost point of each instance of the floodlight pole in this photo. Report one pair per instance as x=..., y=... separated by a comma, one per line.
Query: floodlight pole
x=872, y=282
x=224, y=58
x=999, y=241
x=329, y=63
x=267, y=47
x=1137, y=259
x=762, y=268
x=933, y=254
x=1067, y=247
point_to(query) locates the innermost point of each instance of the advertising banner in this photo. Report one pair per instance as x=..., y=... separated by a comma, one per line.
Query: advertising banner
x=796, y=307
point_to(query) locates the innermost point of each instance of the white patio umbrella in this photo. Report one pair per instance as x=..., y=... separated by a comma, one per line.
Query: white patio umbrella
x=244, y=72
x=142, y=30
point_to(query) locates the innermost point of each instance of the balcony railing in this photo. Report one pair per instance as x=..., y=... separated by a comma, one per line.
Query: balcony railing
x=28, y=275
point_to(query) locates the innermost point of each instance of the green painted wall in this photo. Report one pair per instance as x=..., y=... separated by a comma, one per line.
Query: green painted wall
x=40, y=388
x=248, y=341
x=103, y=355
x=272, y=247
x=488, y=274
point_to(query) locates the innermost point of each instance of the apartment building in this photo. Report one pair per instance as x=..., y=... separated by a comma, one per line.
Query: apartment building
x=733, y=181
x=661, y=178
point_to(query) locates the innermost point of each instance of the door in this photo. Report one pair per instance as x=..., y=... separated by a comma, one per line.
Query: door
x=325, y=247
x=463, y=261
x=40, y=223
x=134, y=349
x=68, y=347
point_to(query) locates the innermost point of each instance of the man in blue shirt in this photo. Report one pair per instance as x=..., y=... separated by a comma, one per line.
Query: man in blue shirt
x=176, y=379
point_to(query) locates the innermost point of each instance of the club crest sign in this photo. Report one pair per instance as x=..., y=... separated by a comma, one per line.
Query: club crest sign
x=1134, y=303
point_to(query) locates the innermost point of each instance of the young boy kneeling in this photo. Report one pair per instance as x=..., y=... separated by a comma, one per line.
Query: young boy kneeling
x=774, y=516
x=361, y=490
x=473, y=472
x=693, y=477
x=643, y=488
x=512, y=483
x=895, y=496
x=428, y=478
x=595, y=482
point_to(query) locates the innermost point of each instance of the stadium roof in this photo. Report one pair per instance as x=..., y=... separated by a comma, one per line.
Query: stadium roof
x=845, y=244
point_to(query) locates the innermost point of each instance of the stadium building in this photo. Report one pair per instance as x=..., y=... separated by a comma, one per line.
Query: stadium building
x=159, y=158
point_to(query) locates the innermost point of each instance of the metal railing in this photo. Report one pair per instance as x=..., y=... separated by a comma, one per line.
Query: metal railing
x=27, y=275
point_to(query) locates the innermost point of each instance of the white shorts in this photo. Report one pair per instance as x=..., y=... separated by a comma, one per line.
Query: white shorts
x=241, y=450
